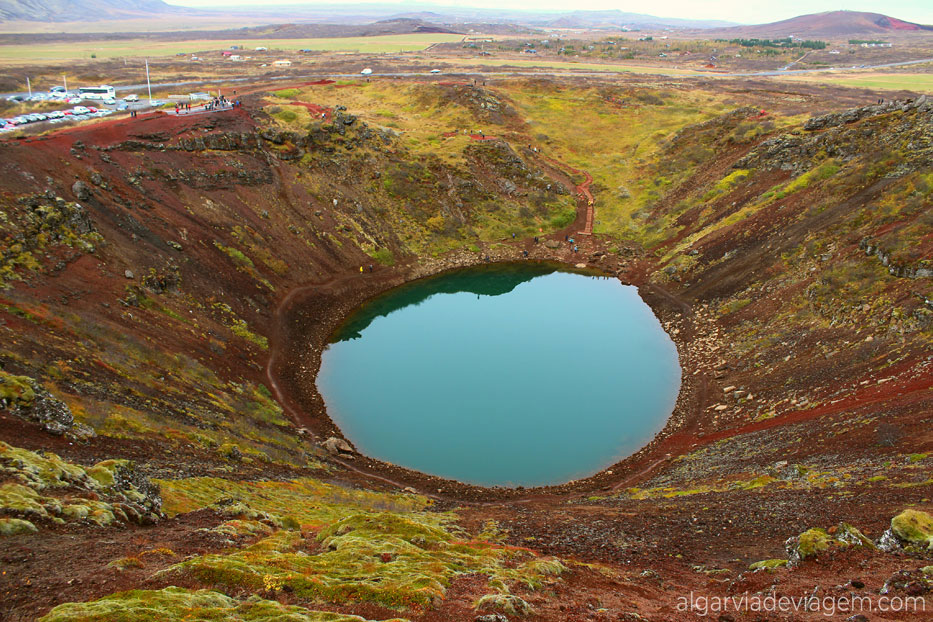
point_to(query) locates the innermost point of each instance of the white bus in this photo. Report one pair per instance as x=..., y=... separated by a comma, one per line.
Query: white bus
x=97, y=92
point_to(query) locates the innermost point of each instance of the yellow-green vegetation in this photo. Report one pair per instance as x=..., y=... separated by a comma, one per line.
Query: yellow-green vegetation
x=47, y=488
x=817, y=540
x=175, y=604
x=239, y=327
x=914, y=527
x=104, y=49
x=336, y=545
x=668, y=492
x=16, y=526
x=284, y=499
x=727, y=183
x=916, y=82
x=614, y=134
x=30, y=230
x=16, y=390
x=396, y=560
x=440, y=188
x=823, y=171
x=768, y=564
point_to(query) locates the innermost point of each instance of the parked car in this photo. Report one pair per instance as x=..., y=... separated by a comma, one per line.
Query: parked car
x=110, y=101
x=20, y=120
x=78, y=110
x=56, y=114
x=131, y=98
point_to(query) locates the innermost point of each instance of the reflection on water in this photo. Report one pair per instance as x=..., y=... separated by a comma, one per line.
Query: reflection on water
x=502, y=375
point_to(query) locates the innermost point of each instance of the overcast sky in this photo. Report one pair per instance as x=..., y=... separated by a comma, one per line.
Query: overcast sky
x=744, y=11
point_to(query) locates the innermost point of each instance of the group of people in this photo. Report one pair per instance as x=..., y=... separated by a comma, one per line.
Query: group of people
x=220, y=103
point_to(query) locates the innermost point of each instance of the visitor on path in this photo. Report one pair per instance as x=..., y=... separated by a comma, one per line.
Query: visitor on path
x=370, y=267
x=536, y=239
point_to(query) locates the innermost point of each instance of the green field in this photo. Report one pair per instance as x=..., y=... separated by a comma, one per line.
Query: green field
x=919, y=82
x=543, y=64
x=37, y=53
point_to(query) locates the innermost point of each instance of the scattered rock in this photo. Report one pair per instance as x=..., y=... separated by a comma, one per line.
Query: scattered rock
x=128, y=274
x=29, y=400
x=81, y=191
x=338, y=446
x=817, y=541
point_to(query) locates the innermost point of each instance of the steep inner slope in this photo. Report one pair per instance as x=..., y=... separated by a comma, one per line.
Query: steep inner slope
x=169, y=283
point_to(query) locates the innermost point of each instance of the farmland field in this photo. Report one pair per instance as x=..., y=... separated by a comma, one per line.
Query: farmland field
x=45, y=52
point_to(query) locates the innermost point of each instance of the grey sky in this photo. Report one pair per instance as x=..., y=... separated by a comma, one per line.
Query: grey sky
x=743, y=11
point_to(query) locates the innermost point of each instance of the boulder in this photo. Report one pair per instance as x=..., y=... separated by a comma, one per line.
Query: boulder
x=913, y=528
x=29, y=400
x=81, y=191
x=817, y=541
x=338, y=446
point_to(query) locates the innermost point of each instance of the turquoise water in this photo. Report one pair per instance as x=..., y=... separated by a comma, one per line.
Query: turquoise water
x=502, y=375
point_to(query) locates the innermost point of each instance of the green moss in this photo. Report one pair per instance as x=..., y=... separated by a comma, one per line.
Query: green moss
x=823, y=171
x=17, y=390
x=399, y=558
x=914, y=526
x=34, y=474
x=768, y=564
x=235, y=254
x=174, y=604
x=383, y=256
x=509, y=603
x=286, y=93
x=15, y=526
x=813, y=542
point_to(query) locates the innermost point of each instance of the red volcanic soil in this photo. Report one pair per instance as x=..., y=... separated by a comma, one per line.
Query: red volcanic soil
x=630, y=555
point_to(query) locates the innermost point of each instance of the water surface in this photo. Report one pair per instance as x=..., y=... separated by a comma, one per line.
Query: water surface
x=502, y=375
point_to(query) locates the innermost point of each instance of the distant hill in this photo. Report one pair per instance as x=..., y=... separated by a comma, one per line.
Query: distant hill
x=621, y=19
x=830, y=24
x=82, y=10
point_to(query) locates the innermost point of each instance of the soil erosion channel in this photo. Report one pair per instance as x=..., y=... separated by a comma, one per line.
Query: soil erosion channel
x=501, y=375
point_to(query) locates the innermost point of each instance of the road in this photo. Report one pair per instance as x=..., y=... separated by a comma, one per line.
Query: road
x=613, y=69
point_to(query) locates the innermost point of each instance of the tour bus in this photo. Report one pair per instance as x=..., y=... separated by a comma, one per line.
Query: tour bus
x=97, y=92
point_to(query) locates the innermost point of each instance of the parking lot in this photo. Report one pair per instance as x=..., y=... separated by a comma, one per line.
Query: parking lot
x=74, y=108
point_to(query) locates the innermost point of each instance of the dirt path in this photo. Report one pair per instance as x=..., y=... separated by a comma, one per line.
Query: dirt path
x=584, y=194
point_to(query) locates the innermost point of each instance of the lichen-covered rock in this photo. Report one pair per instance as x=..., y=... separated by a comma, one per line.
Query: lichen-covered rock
x=913, y=527
x=110, y=491
x=14, y=526
x=508, y=603
x=81, y=191
x=29, y=400
x=175, y=604
x=813, y=542
x=768, y=564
